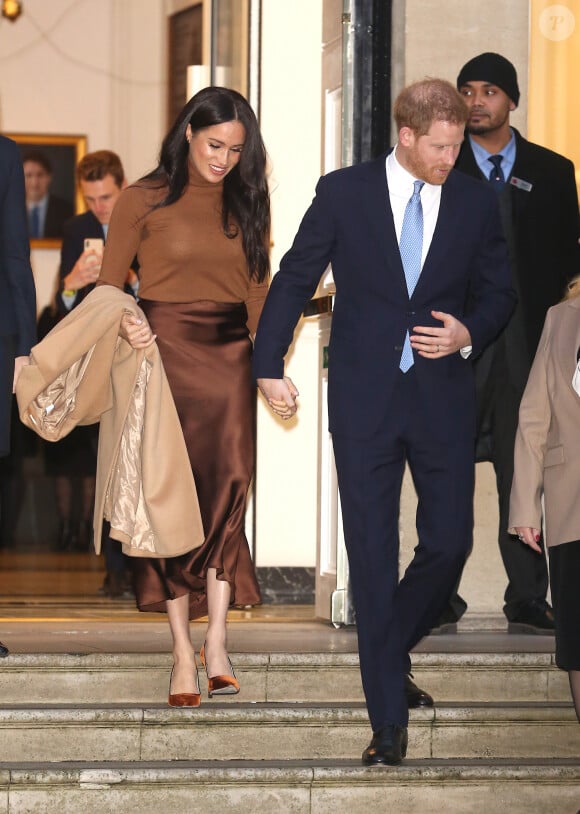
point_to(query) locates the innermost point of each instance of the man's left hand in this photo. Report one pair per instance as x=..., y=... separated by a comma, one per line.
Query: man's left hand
x=434, y=343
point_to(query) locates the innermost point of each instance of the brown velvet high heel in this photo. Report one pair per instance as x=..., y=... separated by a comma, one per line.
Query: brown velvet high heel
x=184, y=699
x=220, y=685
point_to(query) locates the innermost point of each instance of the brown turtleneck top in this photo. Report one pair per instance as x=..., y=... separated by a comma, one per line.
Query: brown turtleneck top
x=183, y=253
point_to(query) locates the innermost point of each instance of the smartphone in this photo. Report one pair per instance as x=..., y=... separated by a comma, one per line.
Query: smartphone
x=94, y=244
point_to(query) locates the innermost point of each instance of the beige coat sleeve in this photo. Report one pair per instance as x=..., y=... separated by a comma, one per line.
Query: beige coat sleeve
x=531, y=440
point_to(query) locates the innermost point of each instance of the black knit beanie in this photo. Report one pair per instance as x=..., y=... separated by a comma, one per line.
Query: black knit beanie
x=491, y=68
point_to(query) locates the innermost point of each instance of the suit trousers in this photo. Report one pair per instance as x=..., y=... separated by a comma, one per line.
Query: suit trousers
x=392, y=616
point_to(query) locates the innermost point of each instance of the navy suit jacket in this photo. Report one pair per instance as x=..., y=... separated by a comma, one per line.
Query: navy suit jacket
x=73, y=245
x=350, y=225
x=18, y=295
x=17, y=292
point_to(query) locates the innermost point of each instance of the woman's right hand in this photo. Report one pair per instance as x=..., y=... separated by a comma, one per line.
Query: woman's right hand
x=529, y=536
x=136, y=331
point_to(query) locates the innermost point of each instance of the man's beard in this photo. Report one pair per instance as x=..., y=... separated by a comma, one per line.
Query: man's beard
x=477, y=129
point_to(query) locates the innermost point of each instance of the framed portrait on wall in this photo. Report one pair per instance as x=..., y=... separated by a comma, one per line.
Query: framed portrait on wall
x=52, y=197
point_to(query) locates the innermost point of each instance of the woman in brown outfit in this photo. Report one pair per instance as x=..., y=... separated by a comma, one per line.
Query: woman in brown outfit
x=199, y=225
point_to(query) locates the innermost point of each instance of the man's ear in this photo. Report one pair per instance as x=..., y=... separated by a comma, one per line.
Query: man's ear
x=406, y=137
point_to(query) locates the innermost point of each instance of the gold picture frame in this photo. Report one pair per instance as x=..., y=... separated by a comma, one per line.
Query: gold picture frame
x=61, y=154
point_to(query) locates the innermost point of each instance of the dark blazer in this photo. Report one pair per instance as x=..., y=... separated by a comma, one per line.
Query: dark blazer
x=546, y=229
x=58, y=212
x=350, y=225
x=17, y=292
x=73, y=245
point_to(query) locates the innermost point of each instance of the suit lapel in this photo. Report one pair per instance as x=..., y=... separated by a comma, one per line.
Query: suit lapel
x=519, y=198
x=523, y=171
x=380, y=217
x=445, y=229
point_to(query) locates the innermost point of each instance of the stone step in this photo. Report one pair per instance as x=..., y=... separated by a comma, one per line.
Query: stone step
x=104, y=678
x=242, y=731
x=300, y=787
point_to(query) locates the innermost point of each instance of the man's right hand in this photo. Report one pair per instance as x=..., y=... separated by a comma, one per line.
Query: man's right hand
x=281, y=395
x=85, y=271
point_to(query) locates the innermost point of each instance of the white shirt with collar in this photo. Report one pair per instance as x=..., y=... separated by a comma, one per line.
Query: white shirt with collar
x=400, y=183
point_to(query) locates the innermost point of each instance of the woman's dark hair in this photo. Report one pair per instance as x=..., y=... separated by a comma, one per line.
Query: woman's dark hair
x=246, y=198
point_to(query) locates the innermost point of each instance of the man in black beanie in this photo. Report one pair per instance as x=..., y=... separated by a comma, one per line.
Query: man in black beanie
x=539, y=207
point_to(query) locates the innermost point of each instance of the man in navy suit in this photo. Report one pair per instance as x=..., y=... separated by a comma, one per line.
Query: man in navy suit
x=17, y=293
x=101, y=180
x=381, y=417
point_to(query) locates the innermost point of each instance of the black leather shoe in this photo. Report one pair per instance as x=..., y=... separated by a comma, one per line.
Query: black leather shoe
x=416, y=697
x=535, y=616
x=3, y=650
x=387, y=748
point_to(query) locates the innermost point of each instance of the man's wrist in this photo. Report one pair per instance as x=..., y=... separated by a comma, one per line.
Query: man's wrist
x=67, y=289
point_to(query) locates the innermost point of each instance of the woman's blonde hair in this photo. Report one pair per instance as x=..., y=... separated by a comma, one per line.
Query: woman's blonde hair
x=573, y=288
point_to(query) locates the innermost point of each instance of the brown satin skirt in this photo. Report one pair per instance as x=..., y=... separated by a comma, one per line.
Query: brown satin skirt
x=206, y=353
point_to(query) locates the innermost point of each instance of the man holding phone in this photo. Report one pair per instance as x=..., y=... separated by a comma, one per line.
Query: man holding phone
x=72, y=462
x=101, y=179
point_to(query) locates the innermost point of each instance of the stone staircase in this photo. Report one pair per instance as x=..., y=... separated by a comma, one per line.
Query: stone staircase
x=82, y=734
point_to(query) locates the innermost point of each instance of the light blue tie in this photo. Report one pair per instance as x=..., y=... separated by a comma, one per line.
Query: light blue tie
x=411, y=247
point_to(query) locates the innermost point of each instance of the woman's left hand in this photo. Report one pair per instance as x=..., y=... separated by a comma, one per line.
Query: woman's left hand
x=529, y=536
x=136, y=331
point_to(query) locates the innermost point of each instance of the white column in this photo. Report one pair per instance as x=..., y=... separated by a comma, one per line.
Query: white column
x=286, y=480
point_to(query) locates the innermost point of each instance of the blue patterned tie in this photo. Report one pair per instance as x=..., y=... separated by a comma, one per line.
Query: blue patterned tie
x=496, y=176
x=411, y=247
x=34, y=222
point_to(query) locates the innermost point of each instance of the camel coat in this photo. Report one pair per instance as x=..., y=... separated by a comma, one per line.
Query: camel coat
x=547, y=448
x=82, y=373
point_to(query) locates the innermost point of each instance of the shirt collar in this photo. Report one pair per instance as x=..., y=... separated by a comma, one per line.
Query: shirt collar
x=41, y=205
x=481, y=155
x=401, y=181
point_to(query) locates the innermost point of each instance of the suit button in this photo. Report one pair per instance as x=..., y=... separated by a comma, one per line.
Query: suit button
x=398, y=348
x=411, y=313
